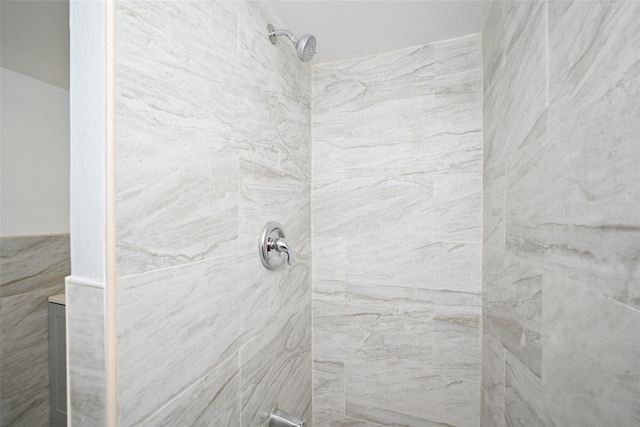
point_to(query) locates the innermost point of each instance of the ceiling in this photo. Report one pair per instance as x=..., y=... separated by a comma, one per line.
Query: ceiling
x=346, y=29
x=35, y=34
x=34, y=39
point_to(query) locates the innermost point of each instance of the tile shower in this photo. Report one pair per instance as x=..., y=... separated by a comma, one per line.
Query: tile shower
x=397, y=168
x=561, y=282
x=462, y=233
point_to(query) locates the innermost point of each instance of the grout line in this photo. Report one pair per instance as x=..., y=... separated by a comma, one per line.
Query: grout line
x=620, y=303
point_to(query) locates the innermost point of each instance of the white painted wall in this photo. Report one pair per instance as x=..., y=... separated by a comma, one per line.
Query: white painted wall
x=34, y=174
x=88, y=77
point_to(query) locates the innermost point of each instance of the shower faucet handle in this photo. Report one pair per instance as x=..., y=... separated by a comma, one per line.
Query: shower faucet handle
x=273, y=247
x=281, y=245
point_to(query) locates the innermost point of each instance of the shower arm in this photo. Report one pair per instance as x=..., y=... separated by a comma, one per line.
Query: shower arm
x=283, y=32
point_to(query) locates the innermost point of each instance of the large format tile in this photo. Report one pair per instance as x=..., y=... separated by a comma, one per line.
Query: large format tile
x=211, y=401
x=397, y=160
x=562, y=91
x=163, y=224
x=276, y=372
x=32, y=269
x=456, y=342
x=407, y=392
x=581, y=221
x=282, y=83
x=33, y=263
x=194, y=326
x=385, y=206
x=458, y=207
x=593, y=48
x=169, y=135
x=86, y=354
x=591, y=358
x=25, y=358
x=493, y=365
x=513, y=306
x=213, y=142
x=392, y=328
x=268, y=193
x=522, y=394
x=328, y=391
x=354, y=84
x=415, y=263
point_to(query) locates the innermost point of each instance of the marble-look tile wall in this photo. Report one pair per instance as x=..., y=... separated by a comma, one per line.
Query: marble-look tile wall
x=561, y=276
x=213, y=129
x=32, y=269
x=397, y=168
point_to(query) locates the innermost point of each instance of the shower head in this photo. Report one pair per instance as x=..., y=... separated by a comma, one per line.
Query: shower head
x=305, y=45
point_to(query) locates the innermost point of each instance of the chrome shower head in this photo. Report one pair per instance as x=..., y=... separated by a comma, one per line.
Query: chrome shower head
x=305, y=45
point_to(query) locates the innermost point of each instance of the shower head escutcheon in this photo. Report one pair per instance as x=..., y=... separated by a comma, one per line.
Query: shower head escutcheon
x=305, y=45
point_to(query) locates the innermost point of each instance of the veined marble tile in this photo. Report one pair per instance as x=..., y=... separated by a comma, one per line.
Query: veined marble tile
x=527, y=97
x=457, y=142
x=328, y=391
x=295, y=291
x=415, y=263
x=273, y=68
x=493, y=365
x=164, y=135
x=378, y=328
x=25, y=357
x=194, y=326
x=32, y=269
x=456, y=342
x=591, y=357
x=329, y=260
x=518, y=87
x=494, y=145
x=275, y=372
x=458, y=62
x=268, y=193
x=227, y=126
x=386, y=206
x=512, y=303
x=457, y=207
x=588, y=218
x=593, y=48
x=522, y=394
x=505, y=29
x=276, y=71
x=354, y=84
x=325, y=419
x=211, y=401
x=524, y=172
x=163, y=28
x=486, y=415
x=170, y=135
x=386, y=128
x=86, y=354
x=406, y=393
x=493, y=229
x=33, y=263
x=328, y=142
x=602, y=259
x=493, y=44
x=189, y=213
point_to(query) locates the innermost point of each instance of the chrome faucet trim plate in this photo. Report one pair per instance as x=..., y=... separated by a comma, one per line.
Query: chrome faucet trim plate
x=273, y=247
